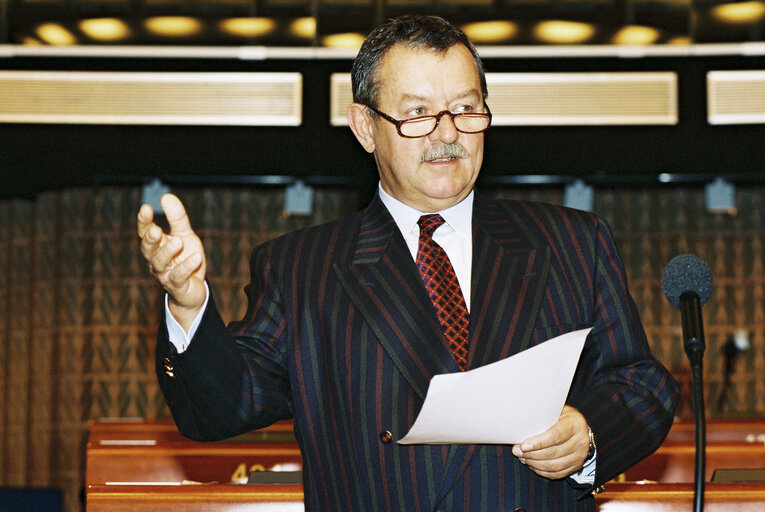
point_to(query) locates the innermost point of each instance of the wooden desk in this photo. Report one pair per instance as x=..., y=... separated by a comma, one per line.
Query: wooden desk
x=719, y=430
x=165, y=432
x=195, y=498
x=286, y=498
x=631, y=497
x=730, y=444
x=154, y=451
x=675, y=462
x=132, y=451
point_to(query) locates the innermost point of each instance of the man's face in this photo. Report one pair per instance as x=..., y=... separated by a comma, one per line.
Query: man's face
x=421, y=82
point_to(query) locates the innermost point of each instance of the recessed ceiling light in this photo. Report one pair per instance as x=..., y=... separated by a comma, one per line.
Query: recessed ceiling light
x=248, y=27
x=636, y=34
x=490, y=31
x=347, y=40
x=564, y=32
x=173, y=26
x=105, y=29
x=679, y=40
x=55, y=34
x=739, y=12
x=304, y=28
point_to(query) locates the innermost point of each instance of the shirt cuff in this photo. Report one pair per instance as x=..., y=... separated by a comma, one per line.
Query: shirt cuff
x=175, y=332
x=586, y=475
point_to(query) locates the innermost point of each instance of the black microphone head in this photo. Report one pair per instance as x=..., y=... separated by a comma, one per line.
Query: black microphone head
x=686, y=273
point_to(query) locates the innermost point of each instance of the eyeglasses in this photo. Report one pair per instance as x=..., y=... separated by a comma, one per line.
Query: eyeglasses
x=465, y=122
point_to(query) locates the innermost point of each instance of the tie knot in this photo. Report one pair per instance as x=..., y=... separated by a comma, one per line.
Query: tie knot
x=429, y=223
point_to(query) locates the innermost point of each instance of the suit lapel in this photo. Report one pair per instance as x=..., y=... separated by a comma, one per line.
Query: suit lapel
x=508, y=281
x=509, y=275
x=383, y=282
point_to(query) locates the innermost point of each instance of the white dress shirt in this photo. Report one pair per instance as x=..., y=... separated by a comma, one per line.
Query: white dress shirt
x=455, y=235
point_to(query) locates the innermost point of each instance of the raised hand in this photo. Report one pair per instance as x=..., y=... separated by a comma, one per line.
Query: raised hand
x=175, y=259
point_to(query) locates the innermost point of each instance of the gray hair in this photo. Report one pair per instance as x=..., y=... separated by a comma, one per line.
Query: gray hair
x=415, y=31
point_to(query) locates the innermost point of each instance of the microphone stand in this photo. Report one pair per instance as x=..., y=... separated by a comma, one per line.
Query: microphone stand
x=693, y=332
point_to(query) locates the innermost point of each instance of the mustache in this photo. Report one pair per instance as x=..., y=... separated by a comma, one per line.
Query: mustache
x=453, y=149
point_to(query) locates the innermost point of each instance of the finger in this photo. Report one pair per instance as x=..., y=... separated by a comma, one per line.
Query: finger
x=550, y=437
x=563, y=451
x=145, y=219
x=162, y=258
x=149, y=233
x=568, y=424
x=554, y=467
x=557, y=468
x=153, y=240
x=556, y=475
x=185, y=288
x=176, y=215
x=182, y=272
x=542, y=457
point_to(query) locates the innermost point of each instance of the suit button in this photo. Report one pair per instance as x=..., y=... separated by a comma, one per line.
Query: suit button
x=386, y=437
x=168, y=367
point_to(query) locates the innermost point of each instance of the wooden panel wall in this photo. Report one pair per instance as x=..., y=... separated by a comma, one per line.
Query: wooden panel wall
x=78, y=311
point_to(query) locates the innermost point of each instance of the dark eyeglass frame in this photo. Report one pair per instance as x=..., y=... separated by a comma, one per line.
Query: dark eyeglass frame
x=437, y=117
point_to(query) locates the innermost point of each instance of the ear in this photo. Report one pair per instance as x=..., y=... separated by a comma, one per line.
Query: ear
x=361, y=126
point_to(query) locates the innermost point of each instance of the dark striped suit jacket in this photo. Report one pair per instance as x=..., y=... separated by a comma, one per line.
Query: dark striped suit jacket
x=340, y=334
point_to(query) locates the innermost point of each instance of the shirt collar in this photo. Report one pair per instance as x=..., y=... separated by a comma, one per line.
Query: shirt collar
x=459, y=217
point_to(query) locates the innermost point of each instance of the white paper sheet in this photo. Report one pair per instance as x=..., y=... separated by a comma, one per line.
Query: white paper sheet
x=503, y=402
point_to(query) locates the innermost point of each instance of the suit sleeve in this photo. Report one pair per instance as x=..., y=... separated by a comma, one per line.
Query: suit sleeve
x=626, y=395
x=232, y=379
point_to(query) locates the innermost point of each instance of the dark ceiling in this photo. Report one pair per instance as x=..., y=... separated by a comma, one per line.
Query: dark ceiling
x=672, y=21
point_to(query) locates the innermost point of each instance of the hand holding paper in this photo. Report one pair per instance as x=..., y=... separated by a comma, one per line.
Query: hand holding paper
x=560, y=450
x=501, y=403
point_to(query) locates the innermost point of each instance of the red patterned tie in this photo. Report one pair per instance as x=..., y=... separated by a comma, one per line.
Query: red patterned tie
x=444, y=289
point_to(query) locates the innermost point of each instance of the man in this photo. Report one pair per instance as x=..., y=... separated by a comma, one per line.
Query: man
x=345, y=323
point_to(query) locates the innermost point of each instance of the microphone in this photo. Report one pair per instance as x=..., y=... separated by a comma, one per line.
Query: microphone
x=687, y=283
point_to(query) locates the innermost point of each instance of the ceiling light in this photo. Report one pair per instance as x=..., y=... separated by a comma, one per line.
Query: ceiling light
x=679, y=40
x=248, y=27
x=303, y=27
x=350, y=40
x=636, y=34
x=485, y=32
x=173, y=26
x=55, y=34
x=563, y=32
x=105, y=29
x=740, y=12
